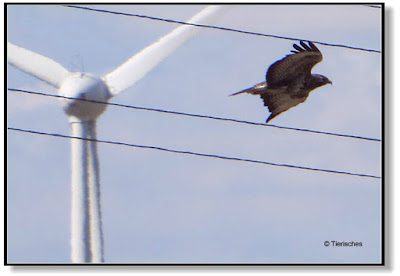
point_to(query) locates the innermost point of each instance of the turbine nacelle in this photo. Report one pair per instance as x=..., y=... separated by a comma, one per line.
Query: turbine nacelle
x=83, y=89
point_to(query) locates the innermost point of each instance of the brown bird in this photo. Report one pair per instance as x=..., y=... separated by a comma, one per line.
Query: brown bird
x=289, y=80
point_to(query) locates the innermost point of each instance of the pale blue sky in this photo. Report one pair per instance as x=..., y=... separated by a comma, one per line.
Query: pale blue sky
x=163, y=207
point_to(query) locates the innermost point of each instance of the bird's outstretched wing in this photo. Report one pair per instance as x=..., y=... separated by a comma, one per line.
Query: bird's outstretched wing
x=278, y=101
x=303, y=59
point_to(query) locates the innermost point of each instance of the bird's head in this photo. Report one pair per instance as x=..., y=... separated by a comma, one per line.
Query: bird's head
x=321, y=80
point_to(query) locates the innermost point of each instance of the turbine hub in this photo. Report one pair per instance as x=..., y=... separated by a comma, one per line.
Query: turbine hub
x=85, y=91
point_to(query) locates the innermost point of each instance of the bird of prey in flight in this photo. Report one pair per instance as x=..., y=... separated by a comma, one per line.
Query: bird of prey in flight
x=289, y=81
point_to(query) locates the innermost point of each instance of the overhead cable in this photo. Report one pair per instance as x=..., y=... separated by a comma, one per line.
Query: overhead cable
x=197, y=153
x=203, y=116
x=220, y=28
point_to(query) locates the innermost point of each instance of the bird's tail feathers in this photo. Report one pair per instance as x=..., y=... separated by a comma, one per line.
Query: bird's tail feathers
x=254, y=90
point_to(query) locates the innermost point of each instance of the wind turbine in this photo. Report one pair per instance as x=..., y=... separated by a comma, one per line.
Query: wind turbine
x=86, y=224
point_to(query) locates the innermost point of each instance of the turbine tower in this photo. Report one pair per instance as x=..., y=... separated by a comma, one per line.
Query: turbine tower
x=86, y=224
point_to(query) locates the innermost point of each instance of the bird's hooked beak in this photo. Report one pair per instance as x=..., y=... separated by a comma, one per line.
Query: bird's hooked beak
x=330, y=82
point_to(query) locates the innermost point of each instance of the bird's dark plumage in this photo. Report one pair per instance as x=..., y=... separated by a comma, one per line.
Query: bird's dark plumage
x=289, y=81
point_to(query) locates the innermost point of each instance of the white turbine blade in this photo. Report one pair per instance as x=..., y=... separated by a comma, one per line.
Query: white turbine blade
x=36, y=65
x=140, y=64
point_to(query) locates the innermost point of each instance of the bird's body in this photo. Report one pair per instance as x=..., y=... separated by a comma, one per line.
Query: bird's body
x=289, y=81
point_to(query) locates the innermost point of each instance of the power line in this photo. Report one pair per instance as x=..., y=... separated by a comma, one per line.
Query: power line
x=219, y=28
x=202, y=116
x=196, y=153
